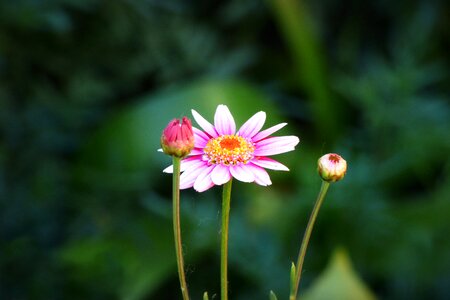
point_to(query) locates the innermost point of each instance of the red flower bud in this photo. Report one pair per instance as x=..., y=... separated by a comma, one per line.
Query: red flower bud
x=178, y=138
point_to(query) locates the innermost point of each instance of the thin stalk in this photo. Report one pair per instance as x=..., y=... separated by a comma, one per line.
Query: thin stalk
x=226, y=198
x=177, y=226
x=306, y=236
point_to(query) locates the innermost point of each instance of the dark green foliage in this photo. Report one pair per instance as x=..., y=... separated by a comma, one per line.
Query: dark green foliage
x=86, y=88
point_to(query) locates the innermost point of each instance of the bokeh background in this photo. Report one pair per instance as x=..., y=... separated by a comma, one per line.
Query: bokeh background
x=88, y=85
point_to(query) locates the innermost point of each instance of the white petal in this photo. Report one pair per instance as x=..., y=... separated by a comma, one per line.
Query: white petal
x=207, y=127
x=189, y=176
x=196, y=151
x=220, y=175
x=287, y=140
x=269, y=163
x=200, y=138
x=268, y=131
x=253, y=125
x=241, y=173
x=276, y=145
x=224, y=121
x=261, y=175
x=185, y=163
x=203, y=181
x=191, y=162
x=169, y=169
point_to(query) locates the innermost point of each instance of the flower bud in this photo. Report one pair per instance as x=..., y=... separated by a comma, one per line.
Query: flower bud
x=332, y=167
x=178, y=138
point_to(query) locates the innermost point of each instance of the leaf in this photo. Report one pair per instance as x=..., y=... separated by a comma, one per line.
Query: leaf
x=205, y=296
x=339, y=282
x=292, y=277
x=272, y=296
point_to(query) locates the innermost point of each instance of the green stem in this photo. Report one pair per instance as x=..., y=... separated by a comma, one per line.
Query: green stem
x=306, y=236
x=177, y=226
x=226, y=198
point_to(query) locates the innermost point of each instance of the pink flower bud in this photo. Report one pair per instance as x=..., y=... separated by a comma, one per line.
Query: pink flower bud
x=178, y=138
x=332, y=167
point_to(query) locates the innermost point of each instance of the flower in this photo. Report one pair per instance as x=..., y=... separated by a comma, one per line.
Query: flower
x=178, y=138
x=221, y=153
x=332, y=167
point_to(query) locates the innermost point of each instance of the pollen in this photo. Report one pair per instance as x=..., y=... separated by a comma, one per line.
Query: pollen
x=229, y=150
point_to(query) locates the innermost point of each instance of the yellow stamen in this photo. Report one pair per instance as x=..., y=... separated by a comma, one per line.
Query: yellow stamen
x=229, y=150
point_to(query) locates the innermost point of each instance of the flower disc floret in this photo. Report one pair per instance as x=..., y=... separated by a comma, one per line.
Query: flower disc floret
x=229, y=150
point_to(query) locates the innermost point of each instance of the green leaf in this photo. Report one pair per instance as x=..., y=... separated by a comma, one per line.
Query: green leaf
x=339, y=282
x=272, y=296
x=292, y=277
x=205, y=296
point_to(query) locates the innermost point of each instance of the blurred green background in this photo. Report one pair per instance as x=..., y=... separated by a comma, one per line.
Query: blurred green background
x=88, y=85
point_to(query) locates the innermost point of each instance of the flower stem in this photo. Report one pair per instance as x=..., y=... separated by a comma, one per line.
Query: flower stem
x=306, y=236
x=177, y=227
x=226, y=198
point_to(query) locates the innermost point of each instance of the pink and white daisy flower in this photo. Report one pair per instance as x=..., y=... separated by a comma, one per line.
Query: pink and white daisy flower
x=221, y=153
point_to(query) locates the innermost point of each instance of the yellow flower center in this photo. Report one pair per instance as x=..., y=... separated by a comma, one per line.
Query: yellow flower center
x=229, y=150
